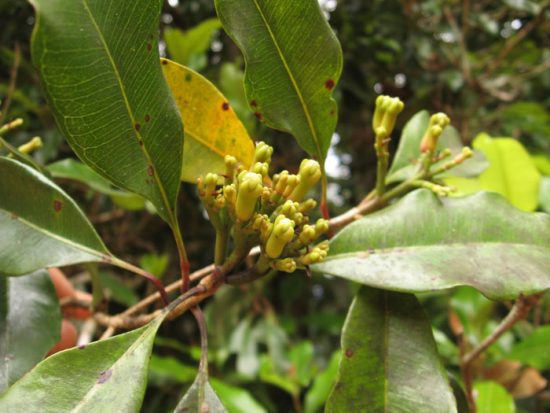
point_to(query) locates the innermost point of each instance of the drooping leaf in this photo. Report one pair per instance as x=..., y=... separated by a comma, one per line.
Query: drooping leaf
x=389, y=361
x=533, y=350
x=200, y=397
x=423, y=243
x=189, y=47
x=319, y=392
x=212, y=128
x=404, y=164
x=491, y=397
x=100, y=69
x=30, y=322
x=512, y=173
x=105, y=376
x=293, y=62
x=72, y=169
x=40, y=225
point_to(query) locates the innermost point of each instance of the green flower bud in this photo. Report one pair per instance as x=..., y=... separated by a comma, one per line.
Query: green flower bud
x=438, y=123
x=263, y=152
x=310, y=173
x=230, y=167
x=307, y=205
x=308, y=235
x=279, y=182
x=32, y=145
x=284, y=265
x=249, y=190
x=291, y=183
x=321, y=226
x=282, y=233
x=230, y=193
x=394, y=107
x=261, y=168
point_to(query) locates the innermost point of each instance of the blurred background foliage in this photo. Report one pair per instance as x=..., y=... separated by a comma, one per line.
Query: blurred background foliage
x=275, y=343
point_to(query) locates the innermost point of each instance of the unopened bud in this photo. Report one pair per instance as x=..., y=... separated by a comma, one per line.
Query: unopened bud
x=438, y=123
x=309, y=173
x=282, y=233
x=263, y=152
x=32, y=145
x=249, y=190
x=285, y=265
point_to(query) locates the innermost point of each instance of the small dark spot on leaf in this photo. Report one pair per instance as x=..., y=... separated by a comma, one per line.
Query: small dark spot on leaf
x=332, y=112
x=225, y=105
x=104, y=376
x=349, y=353
x=106, y=259
x=253, y=103
x=149, y=47
x=258, y=115
x=82, y=346
x=188, y=77
x=57, y=205
x=164, y=62
x=140, y=142
x=147, y=118
x=150, y=170
x=14, y=216
x=137, y=126
x=329, y=84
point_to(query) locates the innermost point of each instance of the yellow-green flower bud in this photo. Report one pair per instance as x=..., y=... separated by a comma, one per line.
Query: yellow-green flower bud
x=280, y=181
x=263, y=152
x=307, y=205
x=379, y=110
x=261, y=168
x=321, y=226
x=316, y=255
x=438, y=123
x=282, y=233
x=284, y=265
x=32, y=145
x=308, y=235
x=230, y=167
x=219, y=202
x=291, y=183
x=310, y=173
x=394, y=107
x=249, y=190
x=230, y=193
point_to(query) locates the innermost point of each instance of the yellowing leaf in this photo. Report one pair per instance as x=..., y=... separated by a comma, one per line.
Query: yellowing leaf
x=212, y=129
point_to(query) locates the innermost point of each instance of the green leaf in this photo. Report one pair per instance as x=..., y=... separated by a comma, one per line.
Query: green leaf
x=188, y=48
x=212, y=128
x=318, y=394
x=100, y=69
x=30, y=322
x=389, y=362
x=236, y=399
x=423, y=243
x=542, y=162
x=293, y=61
x=533, y=350
x=169, y=369
x=492, y=397
x=72, y=169
x=512, y=173
x=531, y=7
x=40, y=225
x=404, y=163
x=200, y=397
x=544, y=194
x=117, y=290
x=105, y=376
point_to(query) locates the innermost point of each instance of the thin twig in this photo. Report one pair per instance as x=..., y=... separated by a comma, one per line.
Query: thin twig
x=13, y=82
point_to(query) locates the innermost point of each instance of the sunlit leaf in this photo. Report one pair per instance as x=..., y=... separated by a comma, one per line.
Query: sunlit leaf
x=533, y=349
x=491, y=397
x=423, y=243
x=212, y=128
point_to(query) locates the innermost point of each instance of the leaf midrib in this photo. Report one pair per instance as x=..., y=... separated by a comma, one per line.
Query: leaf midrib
x=160, y=186
x=292, y=81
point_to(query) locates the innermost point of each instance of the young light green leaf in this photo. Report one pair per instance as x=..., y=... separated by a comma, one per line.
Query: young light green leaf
x=189, y=48
x=533, y=350
x=212, y=128
x=30, y=322
x=319, y=392
x=491, y=397
x=389, y=361
x=512, y=173
x=40, y=225
x=200, y=397
x=236, y=399
x=423, y=243
x=293, y=62
x=105, y=376
x=100, y=69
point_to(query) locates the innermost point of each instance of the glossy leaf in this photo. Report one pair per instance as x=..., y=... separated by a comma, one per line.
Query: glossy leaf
x=40, y=225
x=404, y=164
x=30, y=322
x=292, y=65
x=105, y=376
x=423, y=243
x=189, y=48
x=512, y=173
x=100, y=69
x=491, y=397
x=212, y=128
x=533, y=350
x=389, y=361
x=72, y=169
x=200, y=397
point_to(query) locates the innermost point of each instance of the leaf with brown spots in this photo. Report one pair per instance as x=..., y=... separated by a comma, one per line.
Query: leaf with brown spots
x=212, y=129
x=390, y=360
x=106, y=376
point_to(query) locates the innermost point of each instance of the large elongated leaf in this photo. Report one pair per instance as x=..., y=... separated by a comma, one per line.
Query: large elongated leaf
x=30, y=322
x=40, y=225
x=389, y=361
x=293, y=62
x=423, y=244
x=105, y=376
x=100, y=68
x=212, y=129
